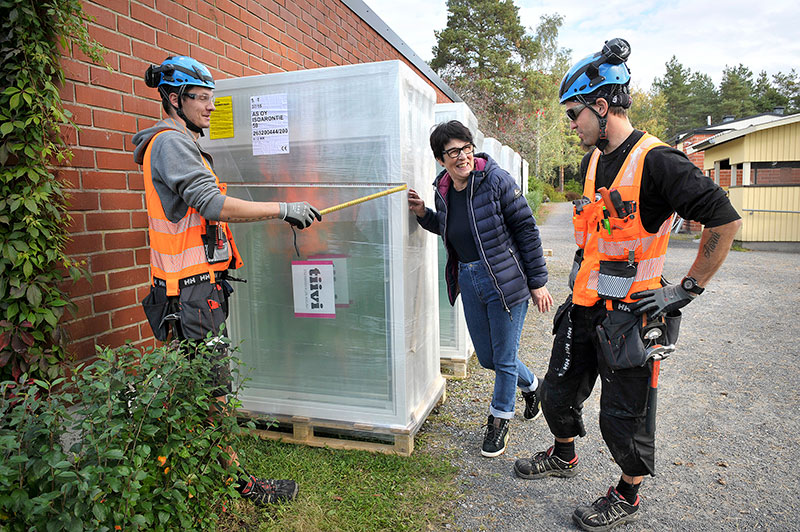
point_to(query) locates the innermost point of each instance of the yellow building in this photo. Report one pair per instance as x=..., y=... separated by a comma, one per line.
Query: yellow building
x=764, y=161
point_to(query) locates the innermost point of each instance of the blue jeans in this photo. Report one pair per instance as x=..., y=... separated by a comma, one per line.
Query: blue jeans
x=495, y=334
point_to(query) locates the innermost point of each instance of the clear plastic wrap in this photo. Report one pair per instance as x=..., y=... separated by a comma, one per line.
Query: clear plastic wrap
x=493, y=148
x=507, y=162
x=478, y=136
x=340, y=133
x=516, y=162
x=525, y=176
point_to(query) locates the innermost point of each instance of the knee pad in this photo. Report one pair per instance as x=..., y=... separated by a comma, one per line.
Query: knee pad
x=629, y=443
x=564, y=420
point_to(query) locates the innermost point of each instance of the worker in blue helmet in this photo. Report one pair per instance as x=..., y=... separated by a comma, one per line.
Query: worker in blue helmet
x=621, y=314
x=191, y=243
x=600, y=75
x=175, y=75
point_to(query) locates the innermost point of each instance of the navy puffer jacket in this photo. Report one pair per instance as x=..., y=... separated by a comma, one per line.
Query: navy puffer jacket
x=504, y=229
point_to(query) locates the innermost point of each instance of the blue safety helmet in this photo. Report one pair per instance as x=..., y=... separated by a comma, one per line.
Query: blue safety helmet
x=606, y=68
x=179, y=71
x=176, y=74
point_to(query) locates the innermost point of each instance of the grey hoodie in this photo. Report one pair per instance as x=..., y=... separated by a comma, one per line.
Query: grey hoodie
x=179, y=175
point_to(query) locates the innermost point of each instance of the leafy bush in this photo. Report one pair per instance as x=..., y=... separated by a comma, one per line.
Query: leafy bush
x=575, y=187
x=148, y=451
x=551, y=193
x=535, y=196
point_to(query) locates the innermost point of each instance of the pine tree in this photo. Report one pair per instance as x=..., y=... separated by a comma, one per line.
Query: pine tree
x=766, y=96
x=788, y=85
x=509, y=78
x=736, y=92
x=674, y=87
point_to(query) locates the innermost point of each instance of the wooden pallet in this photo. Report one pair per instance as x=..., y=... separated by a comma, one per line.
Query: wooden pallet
x=343, y=435
x=453, y=368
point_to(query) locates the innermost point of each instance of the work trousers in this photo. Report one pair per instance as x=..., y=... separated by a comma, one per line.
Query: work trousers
x=575, y=363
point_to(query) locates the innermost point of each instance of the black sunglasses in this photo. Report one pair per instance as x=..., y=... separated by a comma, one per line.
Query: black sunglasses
x=574, y=112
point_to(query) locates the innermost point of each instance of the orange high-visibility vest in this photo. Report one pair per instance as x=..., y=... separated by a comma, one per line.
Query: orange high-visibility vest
x=629, y=259
x=177, y=250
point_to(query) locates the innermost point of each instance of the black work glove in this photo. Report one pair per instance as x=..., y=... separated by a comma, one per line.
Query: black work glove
x=300, y=213
x=660, y=301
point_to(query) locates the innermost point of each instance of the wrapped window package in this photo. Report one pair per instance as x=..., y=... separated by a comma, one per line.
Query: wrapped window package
x=338, y=323
x=525, y=176
x=454, y=340
x=493, y=148
x=516, y=162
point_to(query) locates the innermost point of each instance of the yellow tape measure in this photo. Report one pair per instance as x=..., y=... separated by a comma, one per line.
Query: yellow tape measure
x=362, y=200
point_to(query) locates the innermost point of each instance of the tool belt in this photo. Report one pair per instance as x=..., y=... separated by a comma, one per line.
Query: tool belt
x=190, y=281
x=621, y=335
x=200, y=308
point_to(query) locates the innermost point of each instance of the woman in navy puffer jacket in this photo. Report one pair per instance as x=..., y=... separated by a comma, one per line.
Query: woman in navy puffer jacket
x=494, y=259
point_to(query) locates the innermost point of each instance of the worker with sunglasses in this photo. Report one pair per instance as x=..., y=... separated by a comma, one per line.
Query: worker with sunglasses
x=633, y=186
x=494, y=259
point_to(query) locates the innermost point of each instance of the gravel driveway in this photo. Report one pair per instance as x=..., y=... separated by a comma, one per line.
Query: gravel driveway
x=728, y=425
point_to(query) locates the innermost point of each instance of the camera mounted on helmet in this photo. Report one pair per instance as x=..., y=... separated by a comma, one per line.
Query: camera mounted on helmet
x=604, y=68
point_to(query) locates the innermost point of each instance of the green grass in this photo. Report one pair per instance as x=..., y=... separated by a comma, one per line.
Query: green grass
x=347, y=490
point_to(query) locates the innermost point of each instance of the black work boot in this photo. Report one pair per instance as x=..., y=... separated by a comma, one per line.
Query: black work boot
x=494, y=443
x=606, y=512
x=264, y=492
x=532, y=403
x=545, y=464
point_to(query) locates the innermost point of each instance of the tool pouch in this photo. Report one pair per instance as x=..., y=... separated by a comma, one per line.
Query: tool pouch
x=621, y=341
x=576, y=266
x=615, y=278
x=157, y=309
x=203, y=309
x=673, y=321
x=561, y=312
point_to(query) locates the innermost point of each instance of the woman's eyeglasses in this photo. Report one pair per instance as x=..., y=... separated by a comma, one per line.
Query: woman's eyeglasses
x=453, y=153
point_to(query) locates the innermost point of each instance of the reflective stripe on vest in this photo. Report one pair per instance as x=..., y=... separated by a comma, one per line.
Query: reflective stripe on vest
x=628, y=238
x=177, y=250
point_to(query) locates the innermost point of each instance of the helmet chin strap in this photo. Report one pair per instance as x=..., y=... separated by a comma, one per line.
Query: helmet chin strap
x=602, y=139
x=191, y=126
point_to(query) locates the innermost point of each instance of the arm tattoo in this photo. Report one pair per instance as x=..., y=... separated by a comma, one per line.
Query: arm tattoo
x=711, y=245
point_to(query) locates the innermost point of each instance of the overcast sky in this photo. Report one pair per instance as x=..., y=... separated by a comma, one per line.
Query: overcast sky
x=705, y=35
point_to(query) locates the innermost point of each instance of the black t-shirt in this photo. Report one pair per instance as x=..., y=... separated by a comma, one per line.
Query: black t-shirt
x=459, y=234
x=670, y=182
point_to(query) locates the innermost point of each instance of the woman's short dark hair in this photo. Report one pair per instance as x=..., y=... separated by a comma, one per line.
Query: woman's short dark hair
x=444, y=133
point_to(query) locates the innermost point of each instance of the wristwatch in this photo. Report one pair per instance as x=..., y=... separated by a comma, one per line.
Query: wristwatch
x=690, y=285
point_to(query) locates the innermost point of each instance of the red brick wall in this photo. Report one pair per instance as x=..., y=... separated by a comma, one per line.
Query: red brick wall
x=233, y=38
x=776, y=176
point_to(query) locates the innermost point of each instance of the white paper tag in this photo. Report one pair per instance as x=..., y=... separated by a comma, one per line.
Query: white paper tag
x=269, y=117
x=313, y=289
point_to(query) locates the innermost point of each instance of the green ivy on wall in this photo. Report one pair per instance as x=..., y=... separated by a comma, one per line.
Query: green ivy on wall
x=33, y=211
